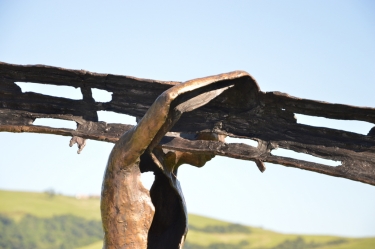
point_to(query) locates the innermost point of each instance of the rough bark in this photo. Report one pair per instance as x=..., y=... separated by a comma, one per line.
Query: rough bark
x=243, y=111
x=133, y=217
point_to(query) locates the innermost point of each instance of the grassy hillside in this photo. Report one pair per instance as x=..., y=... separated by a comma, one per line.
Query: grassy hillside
x=204, y=233
x=18, y=204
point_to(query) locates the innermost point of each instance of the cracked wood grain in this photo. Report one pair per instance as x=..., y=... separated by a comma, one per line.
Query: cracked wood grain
x=241, y=112
x=227, y=104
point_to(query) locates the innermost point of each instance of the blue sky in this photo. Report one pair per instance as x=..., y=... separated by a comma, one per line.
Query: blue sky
x=322, y=50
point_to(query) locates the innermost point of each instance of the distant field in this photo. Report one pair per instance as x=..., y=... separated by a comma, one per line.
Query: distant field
x=17, y=204
x=204, y=233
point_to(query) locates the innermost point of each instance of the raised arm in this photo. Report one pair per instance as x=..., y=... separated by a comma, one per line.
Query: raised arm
x=127, y=210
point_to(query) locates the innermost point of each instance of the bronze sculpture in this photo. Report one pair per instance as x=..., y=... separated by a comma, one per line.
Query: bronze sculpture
x=127, y=209
x=238, y=109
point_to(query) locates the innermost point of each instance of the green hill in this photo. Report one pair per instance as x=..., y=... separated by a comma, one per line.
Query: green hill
x=52, y=218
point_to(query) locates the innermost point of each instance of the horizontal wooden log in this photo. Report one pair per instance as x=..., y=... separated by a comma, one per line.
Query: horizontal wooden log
x=358, y=169
x=242, y=111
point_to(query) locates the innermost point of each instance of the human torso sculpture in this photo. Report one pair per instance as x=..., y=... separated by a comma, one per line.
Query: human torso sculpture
x=133, y=218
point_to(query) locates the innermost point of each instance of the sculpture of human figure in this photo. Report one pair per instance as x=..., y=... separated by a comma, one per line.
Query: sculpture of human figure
x=132, y=216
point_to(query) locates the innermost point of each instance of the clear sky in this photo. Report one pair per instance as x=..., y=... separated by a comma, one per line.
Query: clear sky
x=322, y=50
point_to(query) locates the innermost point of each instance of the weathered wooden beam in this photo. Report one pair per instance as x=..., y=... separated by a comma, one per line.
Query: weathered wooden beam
x=242, y=111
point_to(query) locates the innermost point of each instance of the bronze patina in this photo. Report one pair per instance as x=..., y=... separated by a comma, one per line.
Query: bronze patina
x=130, y=219
x=180, y=123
